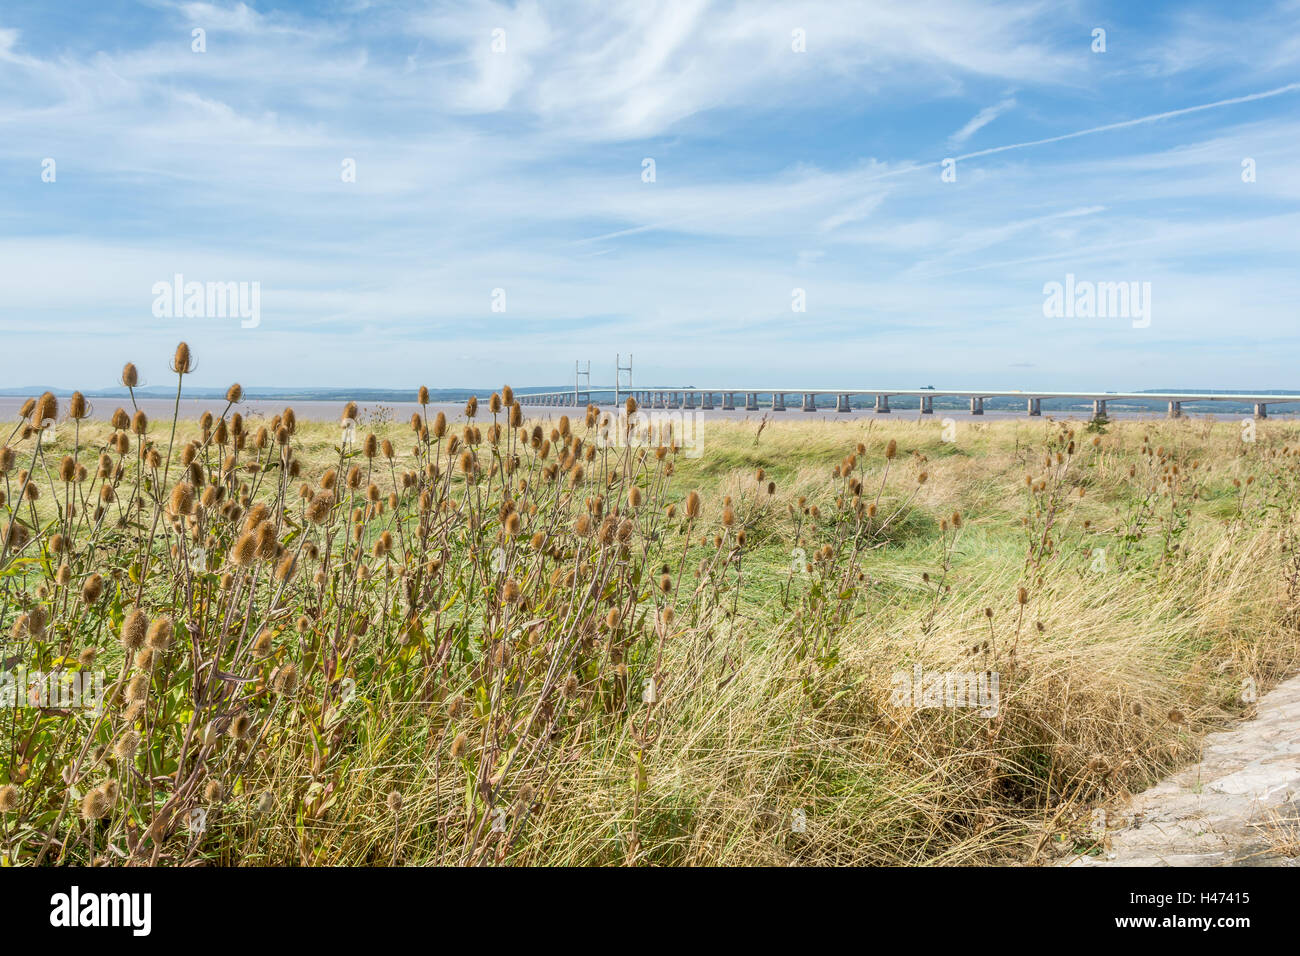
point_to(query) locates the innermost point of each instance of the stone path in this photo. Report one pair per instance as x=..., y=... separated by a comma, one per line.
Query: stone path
x=1234, y=808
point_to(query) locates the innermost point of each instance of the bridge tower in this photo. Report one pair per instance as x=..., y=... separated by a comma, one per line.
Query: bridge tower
x=581, y=396
x=619, y=370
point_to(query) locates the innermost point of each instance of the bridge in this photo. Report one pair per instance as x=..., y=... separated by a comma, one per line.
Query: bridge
x=756, y=399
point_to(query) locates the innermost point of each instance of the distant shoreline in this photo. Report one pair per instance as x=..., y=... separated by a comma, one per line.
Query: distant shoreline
x=160, y=409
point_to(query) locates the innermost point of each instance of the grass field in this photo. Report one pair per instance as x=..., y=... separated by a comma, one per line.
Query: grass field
x=530, y=642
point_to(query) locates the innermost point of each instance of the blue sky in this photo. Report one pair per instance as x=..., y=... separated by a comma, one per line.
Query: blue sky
x=522, y=169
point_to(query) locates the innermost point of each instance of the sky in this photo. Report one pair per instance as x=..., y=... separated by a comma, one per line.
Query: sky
x=742, y=193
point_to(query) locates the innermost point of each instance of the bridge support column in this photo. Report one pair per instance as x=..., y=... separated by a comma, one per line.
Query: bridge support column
x=707, y=402
x=751, y=401
x=1098, y=408
x=778, y=401
x=977, y=405
x=842, y=404
x=810, y=401
x=1035, y=407
x=688, y=400
x=927, y=404
x=882, y=404
x=728, y=401
x=1175, y=409
x=1261, y=410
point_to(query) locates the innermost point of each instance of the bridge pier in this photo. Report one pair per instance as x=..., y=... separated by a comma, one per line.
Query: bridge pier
x=1261, y=410
x=1175, y=409
x=927, y=404
x=882, y=404
x=707, y=402
x=842, y=404
x=751, y=401
x=977, y=405
x=728, y=401
x=810, y=401
x=688, y=400
x=1035, y=407
x=1098, y=408
x=778, y=401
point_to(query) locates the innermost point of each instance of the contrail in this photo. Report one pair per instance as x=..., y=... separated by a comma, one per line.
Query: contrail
x=1154, y=117
x=914, y=166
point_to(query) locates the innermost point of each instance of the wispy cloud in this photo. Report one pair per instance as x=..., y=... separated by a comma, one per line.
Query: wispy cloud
x=980, y=120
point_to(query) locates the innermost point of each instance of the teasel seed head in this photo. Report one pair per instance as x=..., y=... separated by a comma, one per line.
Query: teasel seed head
x=93, y=589
x=181, y=361
x=182, y=499
x=8, y=798
x=693, y=505
x=262, y=644
x=891, y=450
x=160, y=633
x=214, y=792
x=126, y=746
x=45, y=410
x=394, y=801
x=130, y=375
x=458, y=744
x=285, y=681
x=134, y=629
x=95, y=805
x=244, y=550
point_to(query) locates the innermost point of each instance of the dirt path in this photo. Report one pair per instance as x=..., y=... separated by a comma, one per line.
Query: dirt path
x=1240, y=806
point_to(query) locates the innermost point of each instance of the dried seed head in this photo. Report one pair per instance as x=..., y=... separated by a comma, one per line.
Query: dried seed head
x=130, y=375
x=45, y=410
x=241, y=726
x=285, y=681
x=160, y=633
x=182, y=499
x=95, y=805
x=134, y=629
x=262, y=644
x=126, y=746
x=93, y=589
x=181, y=361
